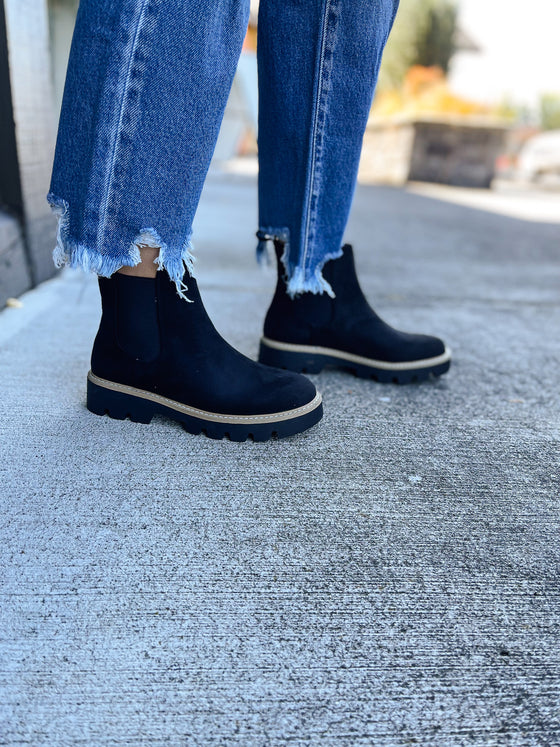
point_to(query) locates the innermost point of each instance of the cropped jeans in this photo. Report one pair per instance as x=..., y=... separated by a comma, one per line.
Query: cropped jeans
x=146, y=89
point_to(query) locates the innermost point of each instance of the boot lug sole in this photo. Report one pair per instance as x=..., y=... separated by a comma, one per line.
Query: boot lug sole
x=313, y=359
x=119, y=402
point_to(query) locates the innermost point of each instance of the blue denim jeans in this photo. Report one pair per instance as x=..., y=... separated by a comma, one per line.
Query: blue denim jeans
x=146, y=89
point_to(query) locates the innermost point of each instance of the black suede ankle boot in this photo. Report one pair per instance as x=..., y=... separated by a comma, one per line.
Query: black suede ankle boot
x=157, y=353
x=312, y=331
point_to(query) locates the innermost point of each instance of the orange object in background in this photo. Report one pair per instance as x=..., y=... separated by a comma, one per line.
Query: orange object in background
x=425, y=91
x=250, y=42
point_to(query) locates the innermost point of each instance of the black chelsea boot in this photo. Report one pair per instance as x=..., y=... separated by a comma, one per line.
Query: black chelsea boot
x=157, y=353
x=311, y=331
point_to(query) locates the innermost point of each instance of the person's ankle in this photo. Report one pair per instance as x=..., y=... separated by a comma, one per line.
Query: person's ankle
x=147, y=267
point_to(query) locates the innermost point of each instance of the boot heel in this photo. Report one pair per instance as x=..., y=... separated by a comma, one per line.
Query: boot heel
x=291, y=360
x=117, y=405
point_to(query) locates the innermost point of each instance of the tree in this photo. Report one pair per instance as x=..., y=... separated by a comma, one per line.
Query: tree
x=550, y=111
x=424, y=34
x=435, y=42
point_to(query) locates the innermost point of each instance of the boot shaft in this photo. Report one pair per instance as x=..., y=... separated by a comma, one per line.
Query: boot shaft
x=300, y=319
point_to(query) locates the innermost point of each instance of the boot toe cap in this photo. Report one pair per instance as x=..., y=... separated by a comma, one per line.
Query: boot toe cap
x=288, y=390
x=425, y=346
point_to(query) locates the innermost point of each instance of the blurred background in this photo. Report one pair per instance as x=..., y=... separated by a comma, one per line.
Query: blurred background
x=467, y=109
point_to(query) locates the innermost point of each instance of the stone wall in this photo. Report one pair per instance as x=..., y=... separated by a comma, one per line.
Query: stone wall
x=454, y=153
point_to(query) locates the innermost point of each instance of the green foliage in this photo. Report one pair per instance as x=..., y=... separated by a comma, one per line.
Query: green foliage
x=515, y=113
x=424, y=34
x=550, y=111
x=435, y=43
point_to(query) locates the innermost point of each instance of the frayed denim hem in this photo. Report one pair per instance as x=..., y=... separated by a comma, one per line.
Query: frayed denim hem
x=301, y=279
x=311, y=280
x=76, y=255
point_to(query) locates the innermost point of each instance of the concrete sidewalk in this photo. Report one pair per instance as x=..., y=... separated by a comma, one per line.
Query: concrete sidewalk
x=390, y=577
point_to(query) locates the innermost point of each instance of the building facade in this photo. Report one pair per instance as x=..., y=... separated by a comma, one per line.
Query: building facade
x=34, y=44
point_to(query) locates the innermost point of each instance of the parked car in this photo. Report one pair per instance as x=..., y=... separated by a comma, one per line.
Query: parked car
x=540, y=157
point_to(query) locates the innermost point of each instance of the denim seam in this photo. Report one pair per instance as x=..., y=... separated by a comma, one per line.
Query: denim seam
x=110, y=170
x=328, y=37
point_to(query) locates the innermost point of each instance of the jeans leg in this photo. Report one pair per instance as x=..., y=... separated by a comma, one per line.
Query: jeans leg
x=146, y=88
x=318, y=66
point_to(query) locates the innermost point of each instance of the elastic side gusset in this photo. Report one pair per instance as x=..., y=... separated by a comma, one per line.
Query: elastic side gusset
x=70, y=252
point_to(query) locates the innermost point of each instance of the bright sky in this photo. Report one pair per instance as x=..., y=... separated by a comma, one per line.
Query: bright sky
x=520, y=44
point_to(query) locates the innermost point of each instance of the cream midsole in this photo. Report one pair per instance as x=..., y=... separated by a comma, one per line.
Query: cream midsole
x=341, y=355
x=214, y=417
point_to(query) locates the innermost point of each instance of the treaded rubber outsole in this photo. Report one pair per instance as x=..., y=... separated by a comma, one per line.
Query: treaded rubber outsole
x=308, y=362
x=107, y=398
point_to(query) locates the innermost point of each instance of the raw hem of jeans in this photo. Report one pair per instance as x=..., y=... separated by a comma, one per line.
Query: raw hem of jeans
x=298, y=280
x=74, y=254
x=304, y=281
